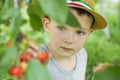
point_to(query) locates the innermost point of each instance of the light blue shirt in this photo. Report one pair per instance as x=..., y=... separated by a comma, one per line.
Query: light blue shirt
x=58, y=73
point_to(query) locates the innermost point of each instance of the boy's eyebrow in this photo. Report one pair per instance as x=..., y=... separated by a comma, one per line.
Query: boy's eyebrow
x=77, y=27
x=84, y=29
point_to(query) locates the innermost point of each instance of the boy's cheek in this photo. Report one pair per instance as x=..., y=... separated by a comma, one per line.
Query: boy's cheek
x=79, y=45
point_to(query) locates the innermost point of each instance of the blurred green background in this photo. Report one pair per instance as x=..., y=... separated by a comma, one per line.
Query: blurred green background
x=103, y=46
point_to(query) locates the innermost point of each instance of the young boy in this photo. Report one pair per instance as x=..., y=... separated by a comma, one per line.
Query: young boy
x=69, y=58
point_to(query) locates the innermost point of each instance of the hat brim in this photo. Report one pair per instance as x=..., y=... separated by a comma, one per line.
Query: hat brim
x=100, y=21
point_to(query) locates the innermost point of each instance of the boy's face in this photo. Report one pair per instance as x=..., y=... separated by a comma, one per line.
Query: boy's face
x=65, y=40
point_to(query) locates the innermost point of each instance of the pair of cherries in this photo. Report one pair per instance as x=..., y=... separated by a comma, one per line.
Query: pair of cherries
x=18, y=70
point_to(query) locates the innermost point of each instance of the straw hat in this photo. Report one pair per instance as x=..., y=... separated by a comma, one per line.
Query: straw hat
x=88, y=5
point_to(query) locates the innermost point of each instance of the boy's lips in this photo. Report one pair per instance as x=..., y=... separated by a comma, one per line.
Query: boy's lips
x=66, y=49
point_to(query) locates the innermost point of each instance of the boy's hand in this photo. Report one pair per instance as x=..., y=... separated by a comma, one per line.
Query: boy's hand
x=32, y=46
x=42, y=56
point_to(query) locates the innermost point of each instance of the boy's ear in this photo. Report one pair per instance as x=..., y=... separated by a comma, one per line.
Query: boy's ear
x=45, y=22
x=91, y=30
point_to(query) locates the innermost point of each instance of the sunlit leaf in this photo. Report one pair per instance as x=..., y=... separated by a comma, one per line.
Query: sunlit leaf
x=55, y=9
x=8, y=13
x=37, y=71
x=15, y=24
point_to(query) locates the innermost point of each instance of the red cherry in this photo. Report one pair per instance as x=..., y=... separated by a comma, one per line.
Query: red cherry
x=8, y=44
x=43, y=56
x=26, y=56
x=16, y=71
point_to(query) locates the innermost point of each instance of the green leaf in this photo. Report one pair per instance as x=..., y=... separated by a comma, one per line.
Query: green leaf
x=35, y=9
x=76, y=0
x=8, y=58
x=36, y=22
x=9, y=55
x=111, y=73
x=1, y=4
x=4, y=69
x=7, y=13
x=15, y=24
x=37, y=71
x=72, y=21
x=35, y=13
x=8, y=4
x=55, y=9
x=6, y=76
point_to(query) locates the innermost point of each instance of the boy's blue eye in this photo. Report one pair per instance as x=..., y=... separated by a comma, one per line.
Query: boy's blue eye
x=61, y=27
x=80, y=33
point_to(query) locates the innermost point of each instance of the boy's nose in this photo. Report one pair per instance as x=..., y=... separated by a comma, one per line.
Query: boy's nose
x=68, y=42
x=69, y=38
